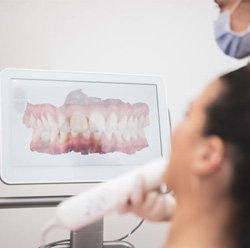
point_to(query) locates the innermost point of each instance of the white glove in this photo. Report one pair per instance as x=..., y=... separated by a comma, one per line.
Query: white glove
x=151, y=205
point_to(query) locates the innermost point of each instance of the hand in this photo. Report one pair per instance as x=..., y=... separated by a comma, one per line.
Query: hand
x=151, y=205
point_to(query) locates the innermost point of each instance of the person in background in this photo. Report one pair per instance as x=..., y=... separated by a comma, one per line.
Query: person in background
x=232, y=27
x=232, y=34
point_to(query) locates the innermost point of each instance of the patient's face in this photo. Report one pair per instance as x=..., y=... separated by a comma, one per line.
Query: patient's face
x=187, y=139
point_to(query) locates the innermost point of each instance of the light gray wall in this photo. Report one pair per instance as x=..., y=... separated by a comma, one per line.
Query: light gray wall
x=170, y=38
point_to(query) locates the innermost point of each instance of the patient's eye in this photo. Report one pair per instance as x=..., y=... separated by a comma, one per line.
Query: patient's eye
x=188, y=110
x=218, y=5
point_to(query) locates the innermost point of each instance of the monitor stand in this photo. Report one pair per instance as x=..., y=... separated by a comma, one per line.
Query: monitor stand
x=92, y=237
x=88, y=237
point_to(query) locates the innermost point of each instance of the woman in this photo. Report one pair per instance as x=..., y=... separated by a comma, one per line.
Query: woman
x=209, y=168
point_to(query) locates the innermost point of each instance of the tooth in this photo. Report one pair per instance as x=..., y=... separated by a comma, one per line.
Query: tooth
x=64, y=127
x=36, y=135
x=112, y=122
x=97, y=122
x=135, y=124
x=141, y=122
x=45, y=136
x=61, y=119
x=108, y=135
x=63, y=136
x=39, y=124
x=133, y=134
x=97, y=136
x=118, y=136
x=32, y=121
x=63, y=124
x=74, y=133
x=45, y=122
x=126, y=136
x=78, y=123
x=122, y=124
x=51, y=121
x=53, y=127
x=146, y=121
x=86, y=135
x=26, y=119
x=130, y=122
x=53, y=135
x=141, y=134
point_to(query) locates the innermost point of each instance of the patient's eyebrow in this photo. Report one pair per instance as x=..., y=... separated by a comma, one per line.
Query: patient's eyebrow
x=218, y=3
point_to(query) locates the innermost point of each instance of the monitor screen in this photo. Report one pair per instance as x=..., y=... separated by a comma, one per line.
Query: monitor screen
x=75, y=127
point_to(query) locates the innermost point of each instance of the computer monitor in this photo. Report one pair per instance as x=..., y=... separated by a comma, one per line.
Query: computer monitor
x=74, y=127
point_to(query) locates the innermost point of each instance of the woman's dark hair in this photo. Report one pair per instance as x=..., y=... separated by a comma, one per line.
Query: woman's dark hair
x=228, y=116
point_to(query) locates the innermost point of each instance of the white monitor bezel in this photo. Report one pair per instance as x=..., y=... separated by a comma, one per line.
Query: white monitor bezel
x=9, y=74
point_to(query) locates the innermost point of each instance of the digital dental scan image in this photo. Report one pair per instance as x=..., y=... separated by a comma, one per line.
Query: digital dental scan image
x=75, y=127
x=86, y=124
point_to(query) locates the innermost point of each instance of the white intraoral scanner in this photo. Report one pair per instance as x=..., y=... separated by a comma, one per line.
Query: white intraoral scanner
x=73, y=128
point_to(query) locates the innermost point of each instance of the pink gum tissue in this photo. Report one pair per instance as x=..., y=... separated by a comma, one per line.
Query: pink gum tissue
x=101, y=127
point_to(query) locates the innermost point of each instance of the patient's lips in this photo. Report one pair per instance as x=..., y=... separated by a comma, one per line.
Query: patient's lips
x=87, y=125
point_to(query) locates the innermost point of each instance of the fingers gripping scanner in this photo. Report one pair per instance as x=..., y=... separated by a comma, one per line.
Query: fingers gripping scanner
x=90, y=206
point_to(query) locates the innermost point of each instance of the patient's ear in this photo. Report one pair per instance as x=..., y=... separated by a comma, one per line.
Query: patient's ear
x=209, y=156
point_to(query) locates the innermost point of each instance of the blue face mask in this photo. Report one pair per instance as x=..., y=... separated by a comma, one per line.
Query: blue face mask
x=234, y=44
